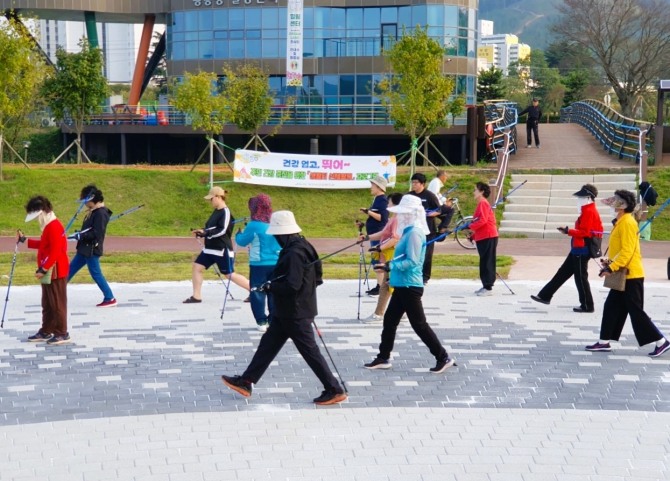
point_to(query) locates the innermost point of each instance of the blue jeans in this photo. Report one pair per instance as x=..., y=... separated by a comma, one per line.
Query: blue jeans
x=93, y=264
x=257, y=276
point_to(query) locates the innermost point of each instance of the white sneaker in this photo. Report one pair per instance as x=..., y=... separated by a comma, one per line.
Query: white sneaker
x=373, y=318
x=262, y=327
x=483, y=292
x=528, y=146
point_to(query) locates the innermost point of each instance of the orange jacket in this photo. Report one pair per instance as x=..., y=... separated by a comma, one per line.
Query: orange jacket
x=52, y=249
x=485, y=225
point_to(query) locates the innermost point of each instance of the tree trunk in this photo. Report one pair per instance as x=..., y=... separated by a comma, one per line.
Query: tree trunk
x=412, y=161
x=2, y=144
x=78, y=148
x=211, y=162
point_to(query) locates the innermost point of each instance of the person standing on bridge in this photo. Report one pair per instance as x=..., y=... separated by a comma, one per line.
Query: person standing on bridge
x=587, y=226
x=532, y=122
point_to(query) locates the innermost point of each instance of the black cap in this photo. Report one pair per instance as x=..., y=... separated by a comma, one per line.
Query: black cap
x=535, y=99
x=586, y=191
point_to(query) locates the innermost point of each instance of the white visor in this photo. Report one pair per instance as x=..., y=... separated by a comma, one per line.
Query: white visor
x=33, y=215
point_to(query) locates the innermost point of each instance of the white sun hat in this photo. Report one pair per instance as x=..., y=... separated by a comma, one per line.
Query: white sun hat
x=283, y=222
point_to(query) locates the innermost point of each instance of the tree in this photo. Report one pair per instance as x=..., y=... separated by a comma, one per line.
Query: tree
x=629, y=40
x=490, y=84
x=248, y=98
x=77, y=90
x=21, y=74
x=415, y=90
x=198, y=96
x=575, y=86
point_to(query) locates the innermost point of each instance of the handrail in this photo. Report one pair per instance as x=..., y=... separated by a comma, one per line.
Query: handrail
x=322, y=114
x=616, y=133
x=501, y=122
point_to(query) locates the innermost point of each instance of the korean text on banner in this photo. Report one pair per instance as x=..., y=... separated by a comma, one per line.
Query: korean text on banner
x=294, y=43
x=312, y=171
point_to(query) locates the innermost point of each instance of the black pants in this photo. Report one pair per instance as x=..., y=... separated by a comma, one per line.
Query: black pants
x=428, y=260
x=574, y=265
x=487, y=261
x=408, y=300
x=619, y=305
x=446, y=213
x=301, y=333
x=532, y=127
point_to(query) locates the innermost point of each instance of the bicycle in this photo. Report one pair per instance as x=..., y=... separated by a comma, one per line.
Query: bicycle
x=463, y=235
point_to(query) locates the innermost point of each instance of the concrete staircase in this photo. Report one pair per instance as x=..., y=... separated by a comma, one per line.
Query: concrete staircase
x=546, y=202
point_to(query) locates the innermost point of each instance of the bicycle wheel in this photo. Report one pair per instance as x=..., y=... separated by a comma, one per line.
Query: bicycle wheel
x=463, y=234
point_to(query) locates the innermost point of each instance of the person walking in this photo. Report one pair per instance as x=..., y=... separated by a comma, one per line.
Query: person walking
x=263, y=255
x=624, y=253
x=293, y=286
x=90, y=241
x=387, y=239
x=534, y=113
x=218, y=248
x=52, y=270
x=587, y=226
x=432, y=209
x=377, y=217
x=446, y=206
x=406, y=279
x=485, y=235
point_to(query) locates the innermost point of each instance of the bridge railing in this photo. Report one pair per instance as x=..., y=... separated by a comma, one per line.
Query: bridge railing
x=501, y=120
x=617, y=134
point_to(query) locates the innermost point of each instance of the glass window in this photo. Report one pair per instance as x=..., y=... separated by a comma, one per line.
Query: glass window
x=270, y=33
x=282, y=18
x=178, y=37
x=236, y=18
x=363, y=85
x=220, y=33
x=347, y=84
x=307, y=47
x=435, y=32
x=207, y=49
x=269, y=18
x=337, y=18
x=178, y=51
x=236, y=49
x=191, y=50
x=205, y=18
x=190, y=21
x=419, y=15
x=253, y=34
x=462, y=47
x=270, y=49
x=178, y=21
x=463, y=17
x=253, y=49
x=371, y=17
x=252, y=18
x=354, y=18
x=205, y=35
x=308, y=18
x=330, y=85
x=389, y=15
x=435, y=16
x=191, y=36
x=321, y=17
x=451, y=16
x=220, y=49
x=405, y=17
x=220, y=18
x=236, y=34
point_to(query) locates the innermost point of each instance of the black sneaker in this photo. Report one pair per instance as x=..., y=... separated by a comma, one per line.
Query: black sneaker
x=442, y=365
x=55, y=340
x=39, y=337
x=374, y=291
x=236, y=383
x=539, y=299
x=598, y=346
x=331, y=396
x=378, y=363
x=660, y=349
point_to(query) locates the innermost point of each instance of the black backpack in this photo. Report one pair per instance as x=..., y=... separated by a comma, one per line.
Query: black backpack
x=595, y=245
x=649, y=195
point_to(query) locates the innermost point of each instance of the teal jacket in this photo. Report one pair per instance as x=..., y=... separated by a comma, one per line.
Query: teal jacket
x=264, y=248
x=407, y=269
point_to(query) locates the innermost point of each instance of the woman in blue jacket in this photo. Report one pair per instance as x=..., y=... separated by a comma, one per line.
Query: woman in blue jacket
x=263, y=255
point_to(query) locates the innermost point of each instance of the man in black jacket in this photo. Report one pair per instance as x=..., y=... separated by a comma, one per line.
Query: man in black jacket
x=532, y=121
x=293, y=288
x=90, y=240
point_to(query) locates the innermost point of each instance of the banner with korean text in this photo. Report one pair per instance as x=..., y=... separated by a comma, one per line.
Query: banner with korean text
x=312, y=171
x=294, y=43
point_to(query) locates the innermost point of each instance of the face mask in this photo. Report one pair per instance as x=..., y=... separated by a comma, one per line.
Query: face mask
x=581, y=202
x=614, y=211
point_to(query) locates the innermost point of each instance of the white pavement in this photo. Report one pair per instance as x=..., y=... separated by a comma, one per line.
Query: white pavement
x=137, y=395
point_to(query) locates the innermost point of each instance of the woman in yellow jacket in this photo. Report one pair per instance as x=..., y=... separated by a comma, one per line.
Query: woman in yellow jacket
x=624, y=252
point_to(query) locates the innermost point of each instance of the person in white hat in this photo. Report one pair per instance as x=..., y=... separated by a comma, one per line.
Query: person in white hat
x=52, y=270
x=218, y=248
x=407, y=282
x=377, y=218
x=293, y=288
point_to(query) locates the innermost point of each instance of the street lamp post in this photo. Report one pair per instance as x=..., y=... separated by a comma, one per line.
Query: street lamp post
x=26, y=146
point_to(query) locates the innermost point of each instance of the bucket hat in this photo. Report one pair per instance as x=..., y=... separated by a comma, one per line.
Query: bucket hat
x=380, y=182
x=283, y=222
x=408, y=205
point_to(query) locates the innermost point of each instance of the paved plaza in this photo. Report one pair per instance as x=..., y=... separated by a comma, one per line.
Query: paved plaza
x=137, y=394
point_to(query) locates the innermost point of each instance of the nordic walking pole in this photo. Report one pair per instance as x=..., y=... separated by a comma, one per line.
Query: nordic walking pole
x=331, y=357
x=651, y=219
x=218, y=273
x=82, y=203
x=9, y=284
x=126, y=212
x=505, y=283
x=230, y=276
x=509, y=193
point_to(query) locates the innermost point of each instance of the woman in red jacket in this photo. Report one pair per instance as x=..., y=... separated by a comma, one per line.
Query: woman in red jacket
x=52, y=270
x=588, y=225
x=485, y=235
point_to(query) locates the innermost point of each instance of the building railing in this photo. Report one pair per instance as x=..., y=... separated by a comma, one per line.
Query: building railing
x=617, y=134
x=354, y=114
